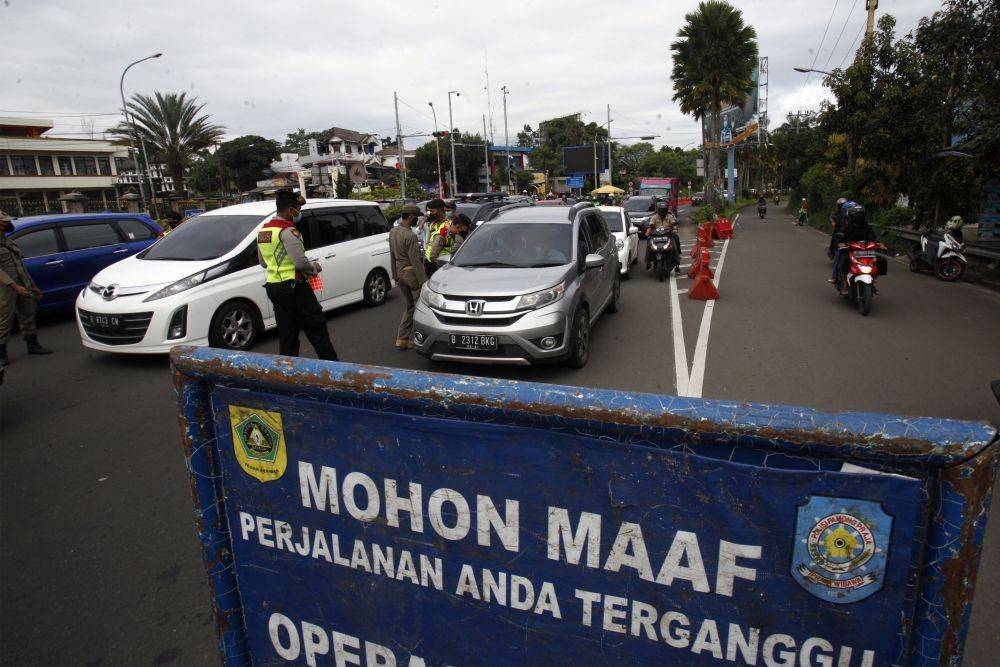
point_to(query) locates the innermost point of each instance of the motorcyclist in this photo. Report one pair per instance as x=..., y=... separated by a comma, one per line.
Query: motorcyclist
x=761, y=204
x=803, y=216
x=856, y=230
x=837, y=222
x=664, y=218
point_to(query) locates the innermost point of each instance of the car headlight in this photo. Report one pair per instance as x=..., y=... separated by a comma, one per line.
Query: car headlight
x=619, y=244
x=431, y=298
x=193, y=280
x=543, y=298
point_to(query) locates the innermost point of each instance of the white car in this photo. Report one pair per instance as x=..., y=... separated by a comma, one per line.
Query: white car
x=626, y=236
x=201, y=284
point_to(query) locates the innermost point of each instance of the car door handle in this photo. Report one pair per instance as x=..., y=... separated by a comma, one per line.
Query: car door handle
x=55, y=262
x=330, y=256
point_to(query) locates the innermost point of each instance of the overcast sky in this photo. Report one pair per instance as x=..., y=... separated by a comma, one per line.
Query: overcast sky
x=268, y=68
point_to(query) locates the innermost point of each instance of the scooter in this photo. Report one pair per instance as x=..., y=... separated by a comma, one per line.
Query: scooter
x=761, y=211
x=661, y=248
x=944, y=257
x=863, y=267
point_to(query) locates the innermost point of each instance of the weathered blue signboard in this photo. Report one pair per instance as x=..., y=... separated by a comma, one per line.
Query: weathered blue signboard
x=356, y=515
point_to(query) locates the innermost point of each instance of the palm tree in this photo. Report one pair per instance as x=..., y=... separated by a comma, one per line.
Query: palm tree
x=714, y=60
x=170, y=124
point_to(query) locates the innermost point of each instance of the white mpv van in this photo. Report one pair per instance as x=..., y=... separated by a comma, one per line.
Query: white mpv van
x=201, y=284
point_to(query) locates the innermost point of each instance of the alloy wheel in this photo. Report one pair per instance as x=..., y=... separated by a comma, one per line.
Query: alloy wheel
x=237, y=328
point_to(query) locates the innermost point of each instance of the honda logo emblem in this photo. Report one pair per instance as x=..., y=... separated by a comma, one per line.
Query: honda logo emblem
x=475, y=306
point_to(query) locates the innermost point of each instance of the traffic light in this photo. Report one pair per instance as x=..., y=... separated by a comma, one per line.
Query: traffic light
x=441, y=135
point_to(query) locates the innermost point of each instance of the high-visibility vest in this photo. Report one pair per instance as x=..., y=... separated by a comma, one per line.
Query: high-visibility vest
x=279, y=265
x=438, y=228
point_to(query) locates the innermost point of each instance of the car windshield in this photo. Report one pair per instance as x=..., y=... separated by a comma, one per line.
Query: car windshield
x=656, y=192
x=518, y=245
x=640, y=205
x=613, y=219
x=204, y=237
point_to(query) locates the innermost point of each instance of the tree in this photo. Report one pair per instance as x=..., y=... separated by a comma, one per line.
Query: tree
x=527, y=137
x=468, y=161
x=203, y=174
x=247, y=157
x=714, y=59
x=172, y=128
x=554, y=134
x=525, y=180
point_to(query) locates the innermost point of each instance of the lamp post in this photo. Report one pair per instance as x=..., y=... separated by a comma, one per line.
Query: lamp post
x=451, y=128
x=131, y=121
x=806, y=70
x=437, y=147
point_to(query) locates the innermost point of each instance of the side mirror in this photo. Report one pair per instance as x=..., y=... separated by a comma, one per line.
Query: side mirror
x=443, y=258
x=594, y=261
x=633, y=230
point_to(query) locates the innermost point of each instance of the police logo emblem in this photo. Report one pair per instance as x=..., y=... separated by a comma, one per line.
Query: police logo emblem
x=841, y=548
x=258, y=442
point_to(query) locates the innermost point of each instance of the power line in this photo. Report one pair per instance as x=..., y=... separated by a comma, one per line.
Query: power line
x=816, y=55
x=851, y=49
x=842, y=28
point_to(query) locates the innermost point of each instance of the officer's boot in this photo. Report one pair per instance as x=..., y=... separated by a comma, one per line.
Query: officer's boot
x=34, y=347
x=3, y=355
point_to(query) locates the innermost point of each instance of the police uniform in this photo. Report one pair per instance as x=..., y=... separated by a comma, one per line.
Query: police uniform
x=408, y=272
x=13, y=304
x=281, y=253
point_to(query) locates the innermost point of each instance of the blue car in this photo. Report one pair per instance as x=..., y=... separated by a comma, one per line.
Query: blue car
x=63, y=252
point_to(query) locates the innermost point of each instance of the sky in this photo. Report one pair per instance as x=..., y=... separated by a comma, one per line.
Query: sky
x=269, y=68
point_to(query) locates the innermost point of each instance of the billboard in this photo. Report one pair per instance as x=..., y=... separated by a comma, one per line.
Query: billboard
x=580, y=159
x=737, y=122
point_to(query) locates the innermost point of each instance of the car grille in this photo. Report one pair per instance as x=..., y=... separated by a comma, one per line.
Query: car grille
x=132, y=330
x=482, y=322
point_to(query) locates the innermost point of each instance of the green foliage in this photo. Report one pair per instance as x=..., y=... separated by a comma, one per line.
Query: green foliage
x=895, y=216
x=172, y=128
x=343, y=187
x=670, y=162
x=203, y=174
x=247, y=157
x=392, y=213
x=468, y=161
x=560, y=132
x=524, y=180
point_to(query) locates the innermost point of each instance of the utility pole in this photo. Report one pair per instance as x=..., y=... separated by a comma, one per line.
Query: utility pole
x=437, y=148
x=399, y=149
x=871, y=6
x=486, y=155
x=596, y=184
x=451, y=129
x=506, y=137
x=610, y=177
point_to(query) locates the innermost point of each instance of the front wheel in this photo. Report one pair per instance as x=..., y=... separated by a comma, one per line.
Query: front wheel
x=864, y=298
x=376, y=288
x=661, y=269
x=235, y=326
x=580, y=340
x=949, y=270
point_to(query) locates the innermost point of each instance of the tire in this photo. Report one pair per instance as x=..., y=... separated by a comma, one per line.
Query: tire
x=864, y=298
x=236, y=325
x=376, y=288
x=661, y=269
x=949, y=270
x=579, y=339
x=616, y=293
x=914, y=266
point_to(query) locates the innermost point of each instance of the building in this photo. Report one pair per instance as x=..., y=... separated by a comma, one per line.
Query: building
x=388, y=155
x=35, y=171
x=128, y=176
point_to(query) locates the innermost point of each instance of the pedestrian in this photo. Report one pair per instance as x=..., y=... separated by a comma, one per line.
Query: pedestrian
x=281, y=252
x=435, y=221
x=18, y=295
x=407, y=271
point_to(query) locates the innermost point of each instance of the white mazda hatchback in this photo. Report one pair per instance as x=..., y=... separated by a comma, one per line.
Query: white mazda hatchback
x=201, y=284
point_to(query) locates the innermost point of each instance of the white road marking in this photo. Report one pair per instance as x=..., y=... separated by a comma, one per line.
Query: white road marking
x=696, y=378
x=680, y=351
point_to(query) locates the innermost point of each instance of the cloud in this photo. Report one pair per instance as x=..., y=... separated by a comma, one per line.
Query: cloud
x=270, y=68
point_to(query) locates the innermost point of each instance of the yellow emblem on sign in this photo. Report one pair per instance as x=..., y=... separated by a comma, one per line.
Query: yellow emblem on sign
x=259, y=442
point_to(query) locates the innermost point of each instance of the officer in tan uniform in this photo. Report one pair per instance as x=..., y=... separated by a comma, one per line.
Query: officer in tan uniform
x=18, y=294
x=407, y=271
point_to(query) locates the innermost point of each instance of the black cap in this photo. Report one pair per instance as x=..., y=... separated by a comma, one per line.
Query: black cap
x=410, y=209
x=436, y=203
x=286, y=198
x=450, y=205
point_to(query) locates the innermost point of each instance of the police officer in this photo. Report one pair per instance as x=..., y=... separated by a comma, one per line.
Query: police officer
x=407, y=271
x=436, y=220
x=281, y=253
x=18, y=294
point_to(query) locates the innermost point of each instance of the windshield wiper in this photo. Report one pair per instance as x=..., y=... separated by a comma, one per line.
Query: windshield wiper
x=546, y=265
x=494, y=265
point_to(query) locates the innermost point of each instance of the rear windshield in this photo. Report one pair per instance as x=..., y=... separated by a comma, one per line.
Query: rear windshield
x=613, y=220
x=639, y=205
x=518, y=245
x=204, y=237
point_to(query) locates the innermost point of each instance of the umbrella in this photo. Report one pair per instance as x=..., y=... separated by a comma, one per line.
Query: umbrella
x=607, y=190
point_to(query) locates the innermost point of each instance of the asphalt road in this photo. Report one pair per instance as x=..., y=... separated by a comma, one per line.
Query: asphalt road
x=99, y=564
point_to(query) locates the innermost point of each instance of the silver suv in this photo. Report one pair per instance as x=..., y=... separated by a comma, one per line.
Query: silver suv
x=524, y=288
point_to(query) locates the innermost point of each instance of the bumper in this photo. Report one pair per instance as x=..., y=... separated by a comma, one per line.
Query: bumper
x=153, y=339
x=517, y=342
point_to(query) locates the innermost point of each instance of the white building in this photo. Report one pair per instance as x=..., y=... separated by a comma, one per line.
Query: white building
x=35, y=171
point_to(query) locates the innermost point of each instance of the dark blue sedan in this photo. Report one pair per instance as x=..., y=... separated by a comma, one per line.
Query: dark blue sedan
x=63, y=252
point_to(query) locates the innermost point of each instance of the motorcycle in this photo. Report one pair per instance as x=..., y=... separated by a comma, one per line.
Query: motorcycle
x=761, y=211
x=661, y=249
x=944, y=257
x=863, y=267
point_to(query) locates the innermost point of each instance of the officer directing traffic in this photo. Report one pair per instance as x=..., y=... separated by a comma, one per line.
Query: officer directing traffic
x=281, y=252
x=18, y=294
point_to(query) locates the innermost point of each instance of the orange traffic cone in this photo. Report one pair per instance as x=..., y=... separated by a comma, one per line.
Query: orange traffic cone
x=695, y=267
x=696, y=248
x=706, y=234
x=704, y=289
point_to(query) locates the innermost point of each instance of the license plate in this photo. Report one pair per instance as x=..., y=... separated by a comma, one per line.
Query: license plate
x=477, y=342
x=864, y=253
x=106, y=322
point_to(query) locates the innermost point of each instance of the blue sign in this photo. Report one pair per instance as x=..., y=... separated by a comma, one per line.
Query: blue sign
x=191, y=212
x=574, y=182
x=355, y=515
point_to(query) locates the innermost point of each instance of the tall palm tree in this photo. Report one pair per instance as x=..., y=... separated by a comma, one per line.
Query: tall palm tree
x=170, y=124
x=714, y=60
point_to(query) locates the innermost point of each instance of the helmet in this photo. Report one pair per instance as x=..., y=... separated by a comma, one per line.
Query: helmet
x=856, y=214
x=848, y=205
x=954, y=222
x=841, y=202
x=662, y=207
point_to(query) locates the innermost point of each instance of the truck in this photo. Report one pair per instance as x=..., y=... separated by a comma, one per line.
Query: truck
x=666, y=188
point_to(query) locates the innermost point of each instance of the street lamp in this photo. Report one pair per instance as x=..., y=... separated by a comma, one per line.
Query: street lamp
x=437, y=146
x=131, y=121
x=451, y=128
x=806, y=70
